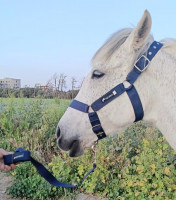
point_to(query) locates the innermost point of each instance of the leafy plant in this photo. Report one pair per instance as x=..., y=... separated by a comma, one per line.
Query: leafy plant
x=137, y=164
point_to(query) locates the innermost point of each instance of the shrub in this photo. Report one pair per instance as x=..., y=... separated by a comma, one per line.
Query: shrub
x=137, y=164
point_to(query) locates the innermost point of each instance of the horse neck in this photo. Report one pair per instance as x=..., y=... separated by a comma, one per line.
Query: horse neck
x=159, y=95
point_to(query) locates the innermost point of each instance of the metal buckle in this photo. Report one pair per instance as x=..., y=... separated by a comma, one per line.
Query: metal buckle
x=100, y=133
x=145, y=66
x=96, y=125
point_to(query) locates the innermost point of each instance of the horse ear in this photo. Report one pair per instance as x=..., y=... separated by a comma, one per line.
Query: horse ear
x=140, y=34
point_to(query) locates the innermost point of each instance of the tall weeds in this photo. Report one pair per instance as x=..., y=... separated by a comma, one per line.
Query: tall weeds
x=137, y=164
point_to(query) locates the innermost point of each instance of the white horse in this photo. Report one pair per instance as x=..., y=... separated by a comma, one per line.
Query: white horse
x=156, y=88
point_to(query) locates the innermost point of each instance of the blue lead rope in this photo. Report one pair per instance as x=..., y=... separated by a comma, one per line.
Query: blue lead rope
x=22, y=155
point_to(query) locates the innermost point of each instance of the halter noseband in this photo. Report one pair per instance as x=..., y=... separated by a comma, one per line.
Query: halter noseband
x=140, y=66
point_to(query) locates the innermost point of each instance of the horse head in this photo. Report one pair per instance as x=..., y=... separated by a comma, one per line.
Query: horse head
x=110, y=66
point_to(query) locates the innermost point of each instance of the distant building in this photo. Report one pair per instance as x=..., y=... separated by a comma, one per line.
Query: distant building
x=43, y=87
x=10, y=83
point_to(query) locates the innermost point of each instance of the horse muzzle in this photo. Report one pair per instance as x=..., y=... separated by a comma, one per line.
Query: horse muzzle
x=73, y=146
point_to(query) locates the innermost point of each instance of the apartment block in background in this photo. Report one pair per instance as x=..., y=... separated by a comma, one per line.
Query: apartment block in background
x=43, y=87
x=10, y=83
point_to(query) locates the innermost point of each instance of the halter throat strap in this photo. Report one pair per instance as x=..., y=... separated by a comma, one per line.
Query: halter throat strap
x=140, y=66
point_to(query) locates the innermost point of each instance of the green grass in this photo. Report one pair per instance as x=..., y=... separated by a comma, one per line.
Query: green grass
x=138, y=164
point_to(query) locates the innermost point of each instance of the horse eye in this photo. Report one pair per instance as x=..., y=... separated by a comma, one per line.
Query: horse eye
x=97, y=74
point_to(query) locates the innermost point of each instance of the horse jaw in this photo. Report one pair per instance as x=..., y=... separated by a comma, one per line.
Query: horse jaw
x=160, y=92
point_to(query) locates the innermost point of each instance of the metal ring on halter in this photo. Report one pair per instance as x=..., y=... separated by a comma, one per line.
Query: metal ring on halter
x=127, y=85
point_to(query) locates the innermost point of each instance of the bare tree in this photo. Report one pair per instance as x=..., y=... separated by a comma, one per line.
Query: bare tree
x=54, y=78
x=73, y=85
x=50, y=84
x=61, y=84
x=58, y=82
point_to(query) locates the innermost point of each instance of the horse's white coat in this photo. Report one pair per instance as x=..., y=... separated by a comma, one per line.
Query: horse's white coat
x=156, y=87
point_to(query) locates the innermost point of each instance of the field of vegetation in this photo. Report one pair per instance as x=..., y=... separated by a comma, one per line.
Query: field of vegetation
x=135, y=165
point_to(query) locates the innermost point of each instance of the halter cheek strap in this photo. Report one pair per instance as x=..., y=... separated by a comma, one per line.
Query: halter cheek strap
x=140, y=66
x=93, y=117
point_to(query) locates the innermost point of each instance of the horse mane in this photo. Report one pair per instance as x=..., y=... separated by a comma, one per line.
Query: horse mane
x=114, y=42
x=170, y=46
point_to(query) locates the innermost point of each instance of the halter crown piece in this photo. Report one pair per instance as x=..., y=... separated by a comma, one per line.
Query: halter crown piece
x=140, y=66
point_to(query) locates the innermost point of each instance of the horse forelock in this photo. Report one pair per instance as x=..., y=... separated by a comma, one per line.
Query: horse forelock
x=114, y=42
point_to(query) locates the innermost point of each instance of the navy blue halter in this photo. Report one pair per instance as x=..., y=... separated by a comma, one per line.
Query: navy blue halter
x=141, y=65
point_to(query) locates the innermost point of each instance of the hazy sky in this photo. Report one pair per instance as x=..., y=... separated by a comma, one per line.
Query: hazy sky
x=41, y=37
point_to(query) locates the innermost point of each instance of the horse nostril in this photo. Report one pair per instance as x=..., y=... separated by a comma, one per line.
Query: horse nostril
x=58, y=132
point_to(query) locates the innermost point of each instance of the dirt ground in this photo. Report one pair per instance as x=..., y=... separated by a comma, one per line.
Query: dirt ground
x=6, y=181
